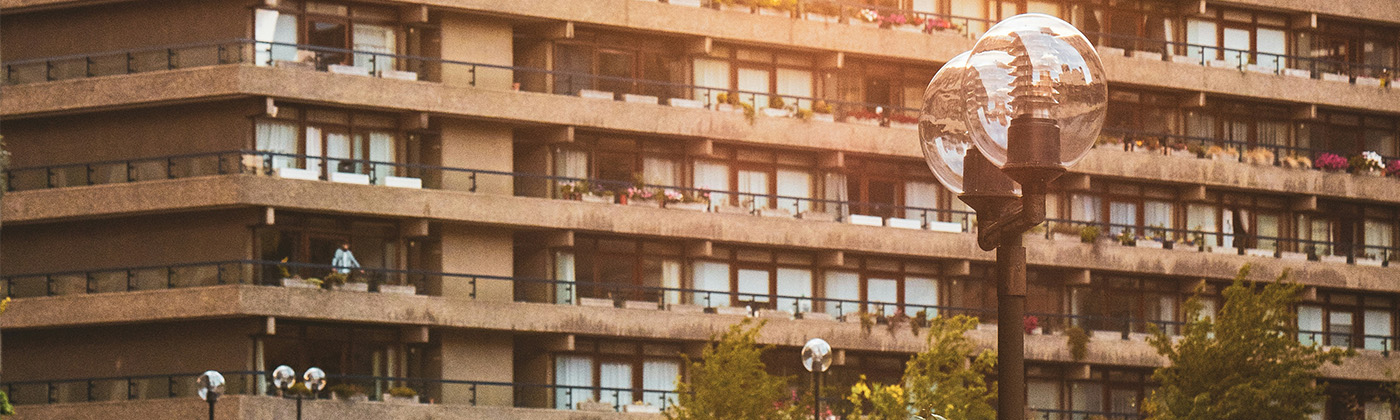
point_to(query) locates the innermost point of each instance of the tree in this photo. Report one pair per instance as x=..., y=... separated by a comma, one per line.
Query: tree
x=730, y=381
x=1246, y=363
x=939, y=380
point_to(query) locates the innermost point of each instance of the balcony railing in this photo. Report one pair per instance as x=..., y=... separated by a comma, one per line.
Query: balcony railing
x=474, y=393
x=1210, y=241
x=1202, y=147
x=1053, y=414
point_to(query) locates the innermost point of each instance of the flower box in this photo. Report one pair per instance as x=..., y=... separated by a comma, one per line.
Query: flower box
x=299, y=283
x=352, y=287
x=908, y=28
x=350, y=70
x=1220, y=64
x=643, y=202
x=685, y=308
x=773, y=314
x=640, y=99
x=1223, y=250
x=728, y=209
x=641, y=408
x=595, y=406
x=1340, y=259
x=344, y=178
x=730, y=310
x=1186, y=59
x=1301, y=73
x=595, y=94
x=824, y=117
x=1334, y=77
x=689, y=206
x=1293, y=256
x=1259, y=253
x=773, y=12
x=1368, y=81
x=687, y=3
x=949, y=227
x=685, y=103
x=298, y=173
x=1147, y=55
x=401, y=182
x=1261, y=69
x=590, y=198
x=1370, y=262
x=818, y=17
x=407, y=289
x=399, y=75
x=896, y=222
x=596, y=302
x=815, y=316
x=863, y=220
x=776, y=112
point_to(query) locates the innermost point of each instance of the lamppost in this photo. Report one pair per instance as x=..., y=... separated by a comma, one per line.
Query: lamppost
x=209, y=386
x=283, y=377
x=999, y=123
x=816, y=357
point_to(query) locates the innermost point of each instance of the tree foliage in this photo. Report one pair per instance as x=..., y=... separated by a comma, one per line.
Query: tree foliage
x=730, y=381
x=938, y=380
x=1246, y=363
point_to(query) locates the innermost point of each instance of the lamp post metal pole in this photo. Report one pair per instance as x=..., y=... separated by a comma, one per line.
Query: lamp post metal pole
x=816, y=395
x=211, y=407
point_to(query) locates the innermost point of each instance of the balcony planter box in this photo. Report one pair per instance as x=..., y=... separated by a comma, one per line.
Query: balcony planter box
x=1147, y=243
x=767, y=212
x=1340, y=259
x=1370, y=262
x=730, y=310
x=817, y=216
x=1368, y=81
x=776, y=112
x=294, y=65
x=818, y=17
x=1261, y=69
x=344, y=178
x=595, y=406
x=1147, y=55
x=688, y=3
x=824, y=117
x=1226, y=251
x=773, y=314
x=641, y=408
x=1220, y=64
x=590, y=198
x=641, y=202
x=815, y=316
x=685, y=103
x=297, y=173
x=352, y=287
x=595, y=94
x=773, y=12
x=596, y=302
x=863, y=220
x=729, y=108
x=735, y=8
x=906, y=126
x=640, y=304
x=1186, y=59
x=399, y=75
x=398, y=289
x=1297, y=73
x=1293, y=256
x=1334, y=77
x=402, y=182
x=640, y=99
x=350, y=70
x=1111, y=51
x=400, y=400
x=1370, y=172
x=685, y=308
x=688, y=206
x=896, y=222
x=299, y=283
x=864, y=121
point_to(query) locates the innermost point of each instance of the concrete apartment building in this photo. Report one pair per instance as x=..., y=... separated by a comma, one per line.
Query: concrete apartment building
x=168, y=156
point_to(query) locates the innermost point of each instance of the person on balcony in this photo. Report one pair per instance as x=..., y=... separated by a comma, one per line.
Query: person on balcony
x=344, y=260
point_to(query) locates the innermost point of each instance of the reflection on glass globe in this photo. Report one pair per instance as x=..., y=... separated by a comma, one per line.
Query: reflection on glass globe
x=816, y=355
x=211, y=382
x=1034, y=65
x=315, y=379
x=942, y=132
x=283, y=377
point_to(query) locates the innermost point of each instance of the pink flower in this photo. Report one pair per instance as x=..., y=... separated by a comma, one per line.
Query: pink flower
x=1330, y=162
x=1393, y=169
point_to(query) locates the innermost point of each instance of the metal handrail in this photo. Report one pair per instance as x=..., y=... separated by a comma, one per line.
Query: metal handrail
x=1129, y=136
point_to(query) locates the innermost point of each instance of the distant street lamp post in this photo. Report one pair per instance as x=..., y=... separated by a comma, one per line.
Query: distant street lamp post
x=283, y=377
x=209, y=386
x=999, y=123
x=816, y=357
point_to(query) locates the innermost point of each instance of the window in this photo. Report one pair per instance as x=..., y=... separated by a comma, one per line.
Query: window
x=756, y=74
x=619, y=64
x=760, y=279
x=616, y=372
x=1242, y=37
x=1142, y=111
x=619, y=162
x=1116, y=303
x=314, y=239
x=765, y=179
x=1115, y=391
x=1348, y=320
x=1135, y=26
x=627, y=269
x=895, y=189
x=883, y=286
x=345, y=350
x=331, y=141
x=875, y=84
x=332, y=27
x=1350, y=48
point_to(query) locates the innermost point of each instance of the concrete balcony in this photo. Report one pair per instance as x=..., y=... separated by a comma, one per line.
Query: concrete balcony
x=459, y=207
x=247, y=407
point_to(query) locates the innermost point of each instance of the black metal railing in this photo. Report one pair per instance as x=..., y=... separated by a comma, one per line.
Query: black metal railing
x=1381, y=343
x=1235, y=243
x=1211, y=148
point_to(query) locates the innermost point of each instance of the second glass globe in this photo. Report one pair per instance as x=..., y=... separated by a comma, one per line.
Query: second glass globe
x=1038, y=66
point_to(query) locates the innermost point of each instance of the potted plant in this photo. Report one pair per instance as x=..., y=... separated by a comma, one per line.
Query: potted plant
x=776, y=7
x=1393, y=169
x=1330, y=162
x=1297, y=162
x=1063, y=231
x=866, y=17
x=401, y=394
x=570, y=190
x=1089, y=234
x=341, y=281
x=1198, y=150
x=1223, y=153
x=1031, y=324
x=776, y=107
x=1259, y=156
x=347, y=392
x=1127, y=238
x=1179, y=149
x=292, y=280
x=936, y=24
x=1367, y=163
x=821, y=111
x=594, y=193
x=639, y=195
x=1109, y=140
x=822, y=12
x=688, y=200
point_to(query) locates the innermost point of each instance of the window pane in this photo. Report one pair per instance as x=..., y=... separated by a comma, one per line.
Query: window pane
x=794, y=282
x=1236, y=44
x=883, y=295
x=843, y=288
x=756, y=184
x=1339, y=328
x=659, y=375
x=661, y=171
x=564, y=272
x=753, y=81
x=1377, y=329
x=793, y=183
x=1272, y=44
x=1309, y=324
x=614, y=65
x=1085, y=208
x=1200, y=34
x=374, y=38
x=1123, y=217
x=795, y=83
x=1086, y=396
x=574, y=374
x=713, y=176
x=753, y=285
x=920, y=293
x=711, y=74
x=712, y=277
x=919, y=196
x=618, y=377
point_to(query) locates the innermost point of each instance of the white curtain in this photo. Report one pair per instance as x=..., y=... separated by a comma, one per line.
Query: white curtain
x=926, y=6
x=918, y=196
x=711, y=74
x=921, y=292
x=1085, y=208
x=313, y=149
x=1200, y=33
x=1122, y=217
x=564, y=271
x=971, y=8
x=671, y=279
x=337, y=146
x=271, y=26
x=794, y=184
x=1309, y=325
x=794, y=282
x=1268, y=228
x=755, y=184
x=753, y=80
x=882, y=293
x=381, y=149
x=658, y=171
x=574, y=375
x=1043, y=394
x=795, y=83
x=615, y=375
x=1378, y=234
x=1157, y=214
x=374, y=39
x=713, y=176
x=1237, y=42
x=659, y=375
x=1377, y=410
x=836, y=191
x=278, y=137
x=711, y=277
x=753, y=285
x=1377, y=326
x=570, y=163
x=1086, y=396
x=843, y=286
x=1201, y=217
x=1227, y=227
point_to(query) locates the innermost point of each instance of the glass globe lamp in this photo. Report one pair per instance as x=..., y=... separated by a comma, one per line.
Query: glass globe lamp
x=943, y=133
x=816, y=355
x=283, y=377
x=315, y=379
x=210, y=385
x=1042, y=73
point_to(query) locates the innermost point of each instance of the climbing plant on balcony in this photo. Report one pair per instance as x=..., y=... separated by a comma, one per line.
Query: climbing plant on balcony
x=1244, y=363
